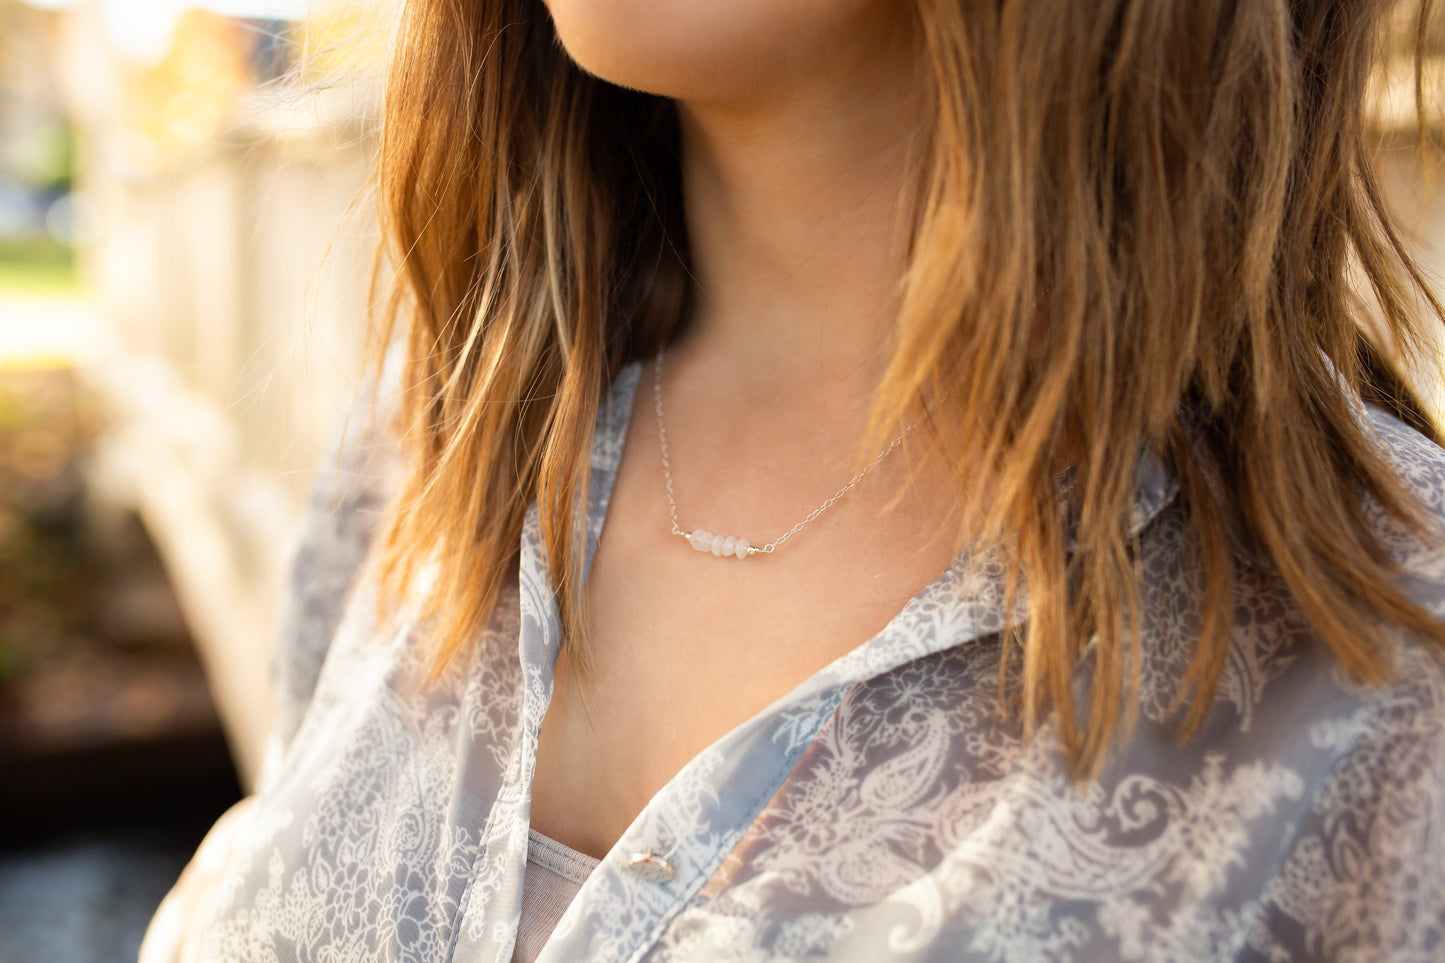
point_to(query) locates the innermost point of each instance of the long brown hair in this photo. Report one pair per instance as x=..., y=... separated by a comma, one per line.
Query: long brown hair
x=1134, y=229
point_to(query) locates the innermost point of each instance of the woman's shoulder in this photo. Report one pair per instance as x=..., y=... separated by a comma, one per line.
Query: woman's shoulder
x=348, y=494
x=1419, y=551
x=1418, y=459
x=1366, y=871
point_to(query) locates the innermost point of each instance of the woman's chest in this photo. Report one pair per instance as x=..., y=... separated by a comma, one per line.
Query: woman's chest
x=683, y=647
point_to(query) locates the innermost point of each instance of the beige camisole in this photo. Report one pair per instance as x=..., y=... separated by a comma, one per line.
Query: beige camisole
x=554, y=874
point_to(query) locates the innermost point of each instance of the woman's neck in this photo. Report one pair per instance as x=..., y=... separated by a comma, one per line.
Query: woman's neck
x=795, y=204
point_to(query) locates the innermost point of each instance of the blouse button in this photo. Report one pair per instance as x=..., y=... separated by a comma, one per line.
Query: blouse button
x=650, y=867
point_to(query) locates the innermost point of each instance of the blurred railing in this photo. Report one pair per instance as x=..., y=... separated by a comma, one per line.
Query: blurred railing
x=231, y=292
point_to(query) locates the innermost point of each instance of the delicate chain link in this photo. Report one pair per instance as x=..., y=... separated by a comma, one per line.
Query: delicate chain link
x=662, y=441
x=772, y=546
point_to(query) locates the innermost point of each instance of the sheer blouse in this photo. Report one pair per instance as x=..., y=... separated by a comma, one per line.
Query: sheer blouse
x=884, y=809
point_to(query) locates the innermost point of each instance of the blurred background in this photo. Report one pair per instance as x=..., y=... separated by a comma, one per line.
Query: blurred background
x=185, y=238
x=184, y=245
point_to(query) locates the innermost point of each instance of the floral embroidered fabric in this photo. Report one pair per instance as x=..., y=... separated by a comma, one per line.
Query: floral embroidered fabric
x=882, y=810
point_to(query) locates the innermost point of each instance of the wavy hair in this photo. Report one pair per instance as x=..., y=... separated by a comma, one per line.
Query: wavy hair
x=1135, y=228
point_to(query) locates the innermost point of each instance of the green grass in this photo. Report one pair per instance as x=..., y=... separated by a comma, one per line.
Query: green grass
x=37, y=268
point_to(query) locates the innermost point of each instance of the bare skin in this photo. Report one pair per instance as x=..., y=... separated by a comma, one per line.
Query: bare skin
x=793, y=179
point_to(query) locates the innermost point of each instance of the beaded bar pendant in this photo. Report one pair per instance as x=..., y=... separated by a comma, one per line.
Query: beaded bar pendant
x=720, y=545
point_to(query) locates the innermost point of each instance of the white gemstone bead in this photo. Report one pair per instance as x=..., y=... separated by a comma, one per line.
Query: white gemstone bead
x=729, y=545
x=741, y=548
x=717, y=545
x=700, y=540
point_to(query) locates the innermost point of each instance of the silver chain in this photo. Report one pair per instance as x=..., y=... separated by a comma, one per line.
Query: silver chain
x=772, y=546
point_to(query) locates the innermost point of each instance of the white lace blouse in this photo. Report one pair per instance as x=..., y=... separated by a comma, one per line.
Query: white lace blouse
x=882, y=810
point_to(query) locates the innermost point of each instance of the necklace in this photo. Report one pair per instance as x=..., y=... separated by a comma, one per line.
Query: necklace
x=730, y=546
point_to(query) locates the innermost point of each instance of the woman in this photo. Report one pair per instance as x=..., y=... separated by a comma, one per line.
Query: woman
x=1120, y=634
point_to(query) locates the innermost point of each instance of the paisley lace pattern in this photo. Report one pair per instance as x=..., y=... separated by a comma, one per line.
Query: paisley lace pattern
x=885, y=809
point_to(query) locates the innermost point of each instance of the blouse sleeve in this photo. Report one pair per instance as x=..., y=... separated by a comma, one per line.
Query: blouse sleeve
x=344, y=505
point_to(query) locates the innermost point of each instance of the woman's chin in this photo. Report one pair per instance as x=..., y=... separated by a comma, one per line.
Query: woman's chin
x=703, y=52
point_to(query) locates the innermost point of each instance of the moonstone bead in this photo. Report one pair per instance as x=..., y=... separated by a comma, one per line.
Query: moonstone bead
x=721, y=546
